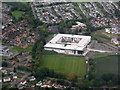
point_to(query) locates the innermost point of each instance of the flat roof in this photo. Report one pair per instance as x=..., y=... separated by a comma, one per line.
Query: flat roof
x=68, y=41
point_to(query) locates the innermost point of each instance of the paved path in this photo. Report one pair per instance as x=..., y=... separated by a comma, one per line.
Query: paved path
x=96, y=50
x=33, y=11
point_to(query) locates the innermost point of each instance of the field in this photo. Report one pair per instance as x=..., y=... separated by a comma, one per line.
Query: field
x=104, y=37
x=65, y=64
x=108, y=64
x=24, y=3
x=17, y=14
x=18, y=49
x=99, y=54
x=87, y=0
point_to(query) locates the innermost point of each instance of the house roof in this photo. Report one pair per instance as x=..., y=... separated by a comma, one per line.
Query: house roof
x=23, y=80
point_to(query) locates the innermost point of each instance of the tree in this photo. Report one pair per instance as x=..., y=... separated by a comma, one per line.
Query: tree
x=107, y=77
x=59, y=75
x=4, y=64
x=83, y=83
x=18, y=6
x=72, y=77
x=97, y=82
x=110, y=79
x=41, y=73
x=117, y=13
x=14, y=70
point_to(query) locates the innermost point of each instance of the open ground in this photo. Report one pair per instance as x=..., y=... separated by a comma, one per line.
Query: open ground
x=65, y=64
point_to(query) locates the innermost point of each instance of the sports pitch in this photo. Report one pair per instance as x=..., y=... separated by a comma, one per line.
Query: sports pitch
x=107, y=64
x=65, y=64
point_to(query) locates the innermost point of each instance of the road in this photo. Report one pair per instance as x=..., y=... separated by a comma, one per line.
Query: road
x=94, y=46
x=26, y=75
x=16, y=82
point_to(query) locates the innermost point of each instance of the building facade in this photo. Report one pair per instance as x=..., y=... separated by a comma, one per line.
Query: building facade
x=68, y=44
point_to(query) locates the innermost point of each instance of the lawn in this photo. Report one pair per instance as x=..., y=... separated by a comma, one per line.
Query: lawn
x=84, y=0
x=17, y=14
x=99, y=54
x=104, y=37
x=18, y=49
x=46, y=52
x=49, y=37
x=66, y=64
x=24, y=3
x=29, y=48
x=107, y=64
x=78, y=10
x=3, y=57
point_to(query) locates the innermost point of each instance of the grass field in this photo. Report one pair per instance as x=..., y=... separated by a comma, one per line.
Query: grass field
x=86, y=0
x=17, y=14
x=24, y=3
x=108, y=64
x=29, y=48
x=104, y=37
x=65, y=64
x=99, y=54
x=18, y=49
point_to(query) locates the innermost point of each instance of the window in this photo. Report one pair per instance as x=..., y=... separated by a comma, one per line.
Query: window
x=80, y=52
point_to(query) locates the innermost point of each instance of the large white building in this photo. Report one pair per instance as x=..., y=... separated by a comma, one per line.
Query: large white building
x=68, y=44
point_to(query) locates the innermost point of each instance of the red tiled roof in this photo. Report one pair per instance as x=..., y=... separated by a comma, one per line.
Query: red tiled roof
x=23, y=80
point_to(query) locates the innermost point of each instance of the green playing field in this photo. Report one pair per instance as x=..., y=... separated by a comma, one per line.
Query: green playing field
x=66, y=64
x=107, y=64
